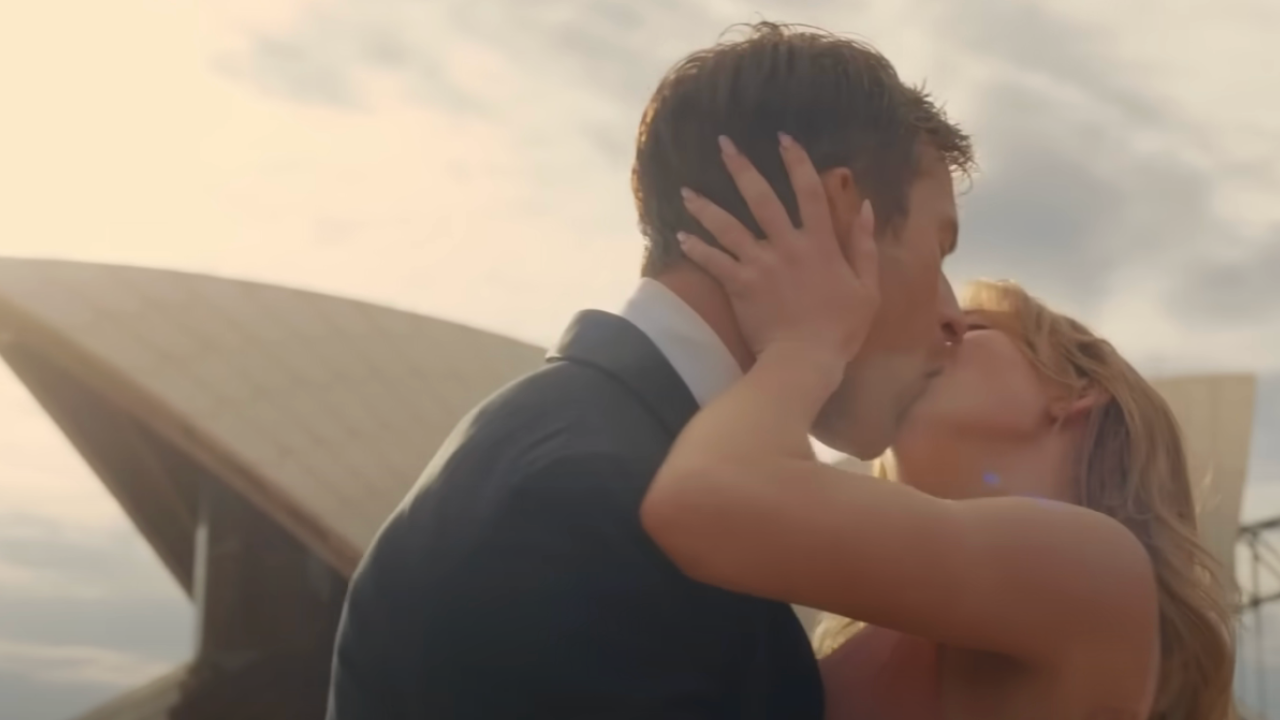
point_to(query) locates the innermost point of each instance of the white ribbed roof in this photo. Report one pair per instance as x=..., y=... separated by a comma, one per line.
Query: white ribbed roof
x=1216, y=415
x=322, y=410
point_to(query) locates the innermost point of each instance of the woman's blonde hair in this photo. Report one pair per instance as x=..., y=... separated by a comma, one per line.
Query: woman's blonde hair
x=1133, y=468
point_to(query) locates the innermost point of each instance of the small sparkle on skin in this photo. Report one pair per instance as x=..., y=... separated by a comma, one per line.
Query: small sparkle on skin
x=991, y=479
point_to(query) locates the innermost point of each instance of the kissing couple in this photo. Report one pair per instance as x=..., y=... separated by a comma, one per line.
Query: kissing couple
x=622, y=533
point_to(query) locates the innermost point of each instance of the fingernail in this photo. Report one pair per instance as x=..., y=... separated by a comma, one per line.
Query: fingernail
x=683, y=237
x=726, y=146
x=688, y=195
x=786, y=140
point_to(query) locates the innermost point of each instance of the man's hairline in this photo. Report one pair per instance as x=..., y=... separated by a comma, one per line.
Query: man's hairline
x=891, y=231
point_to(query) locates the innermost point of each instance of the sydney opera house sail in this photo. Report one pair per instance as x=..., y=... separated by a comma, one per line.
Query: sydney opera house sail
x=256, y=436
x=259, y=436
x=1216, y=414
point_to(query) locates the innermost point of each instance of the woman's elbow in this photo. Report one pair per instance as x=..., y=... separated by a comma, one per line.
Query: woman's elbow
x=666, y=507
x=674, y=513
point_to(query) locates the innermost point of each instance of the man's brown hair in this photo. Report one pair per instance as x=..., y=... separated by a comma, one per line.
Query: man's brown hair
x=839, y=98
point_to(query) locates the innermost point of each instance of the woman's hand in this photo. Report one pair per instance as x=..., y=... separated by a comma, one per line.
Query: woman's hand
x=796, y=289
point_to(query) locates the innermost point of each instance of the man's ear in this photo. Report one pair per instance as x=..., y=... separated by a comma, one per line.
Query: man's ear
x=844, y=200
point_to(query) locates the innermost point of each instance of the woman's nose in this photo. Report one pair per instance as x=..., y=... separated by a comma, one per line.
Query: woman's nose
x=953, y=322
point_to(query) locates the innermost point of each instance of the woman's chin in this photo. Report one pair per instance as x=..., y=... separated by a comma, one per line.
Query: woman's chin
x=916, y=442
x=928, y=466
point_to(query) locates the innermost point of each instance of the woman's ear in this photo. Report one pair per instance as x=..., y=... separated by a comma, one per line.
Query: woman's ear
x=1077, y=405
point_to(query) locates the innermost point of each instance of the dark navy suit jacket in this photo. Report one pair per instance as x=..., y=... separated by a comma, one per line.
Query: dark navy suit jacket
x=516, y=580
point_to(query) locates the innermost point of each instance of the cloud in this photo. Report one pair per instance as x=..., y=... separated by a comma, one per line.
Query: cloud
x=332, y=48
x=1097, y=192
x=158, y=630
x=1039, y=42
x=606, y=46
x=1081, y=174
x=32, y=582
x=288, y=67
x=1039, y=212
x=1086, y=165
x=65, y=584
x=27, y=698
x=77, y=664
x=1074, y=204
x=55, y=558
x=1238, y=291
x=85, y=612
x=42, y=475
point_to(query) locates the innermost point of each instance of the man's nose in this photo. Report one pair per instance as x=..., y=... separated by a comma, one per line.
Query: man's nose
x=954, y=325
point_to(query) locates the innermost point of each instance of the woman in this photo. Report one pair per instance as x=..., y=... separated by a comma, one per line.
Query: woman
x=1038, y=557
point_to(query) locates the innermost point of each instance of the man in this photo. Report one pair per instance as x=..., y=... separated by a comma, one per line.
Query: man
x=516, y=581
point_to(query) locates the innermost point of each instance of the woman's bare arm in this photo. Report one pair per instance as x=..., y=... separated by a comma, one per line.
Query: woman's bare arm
x=740, y=506
x=741, y=503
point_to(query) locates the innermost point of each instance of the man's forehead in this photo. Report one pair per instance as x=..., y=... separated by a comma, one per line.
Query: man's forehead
x=934, y=181
x=931, y=162
x=933, y=203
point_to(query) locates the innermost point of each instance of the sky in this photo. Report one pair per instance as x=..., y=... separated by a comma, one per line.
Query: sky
x=470, y=160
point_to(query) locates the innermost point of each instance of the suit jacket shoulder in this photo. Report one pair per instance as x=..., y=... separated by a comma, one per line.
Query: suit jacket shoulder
x=518, y=562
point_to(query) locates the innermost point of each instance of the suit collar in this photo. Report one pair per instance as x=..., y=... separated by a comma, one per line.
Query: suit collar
x=615, y=346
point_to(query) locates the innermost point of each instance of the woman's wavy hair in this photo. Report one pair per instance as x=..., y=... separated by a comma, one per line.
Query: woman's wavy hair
x=1132, y=467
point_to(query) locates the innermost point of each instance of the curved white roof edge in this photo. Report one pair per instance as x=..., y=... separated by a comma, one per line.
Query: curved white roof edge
x=320, y=410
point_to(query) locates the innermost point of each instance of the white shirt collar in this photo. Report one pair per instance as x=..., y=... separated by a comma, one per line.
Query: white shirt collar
x=698, y=355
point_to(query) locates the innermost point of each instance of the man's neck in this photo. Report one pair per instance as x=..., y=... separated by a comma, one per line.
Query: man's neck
x=705, y=297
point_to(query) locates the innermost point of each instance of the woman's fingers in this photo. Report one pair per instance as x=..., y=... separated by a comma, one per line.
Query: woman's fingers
x=816, y=239
x=724, y=227
x=717, y=263
x=811, y=196
x=761, y=199
x=801, y=285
